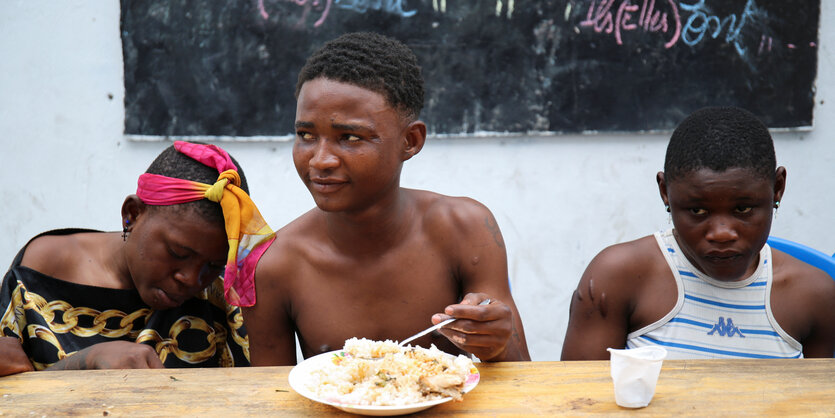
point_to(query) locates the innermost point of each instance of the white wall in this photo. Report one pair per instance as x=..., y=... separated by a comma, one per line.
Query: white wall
x=559, y=200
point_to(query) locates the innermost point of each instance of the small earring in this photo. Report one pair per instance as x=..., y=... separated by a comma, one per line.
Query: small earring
x=125, y=231
x=776, y=206
x=669, y=215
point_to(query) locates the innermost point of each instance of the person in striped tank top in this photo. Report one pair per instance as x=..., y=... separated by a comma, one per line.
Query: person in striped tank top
x=710, y=287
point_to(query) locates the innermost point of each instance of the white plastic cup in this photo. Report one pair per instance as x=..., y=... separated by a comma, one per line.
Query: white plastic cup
x=635, y=374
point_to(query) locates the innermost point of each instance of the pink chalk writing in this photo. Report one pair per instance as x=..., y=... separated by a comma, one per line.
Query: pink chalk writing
x=308, y=5
x=311, y=4
x=651, y=17
x=262, y=11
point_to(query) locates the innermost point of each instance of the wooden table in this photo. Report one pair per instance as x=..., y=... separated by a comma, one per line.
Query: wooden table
x=685, y=387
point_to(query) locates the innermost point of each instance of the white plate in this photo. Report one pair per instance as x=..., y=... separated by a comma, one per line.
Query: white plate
x=300, y=372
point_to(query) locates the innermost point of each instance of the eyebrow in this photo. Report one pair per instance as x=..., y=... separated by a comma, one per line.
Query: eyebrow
x=195, y=252
x=182, y=247
x=338, y=126
x=350, y=127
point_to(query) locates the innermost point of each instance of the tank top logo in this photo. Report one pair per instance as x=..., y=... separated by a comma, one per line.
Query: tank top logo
x=726, y=328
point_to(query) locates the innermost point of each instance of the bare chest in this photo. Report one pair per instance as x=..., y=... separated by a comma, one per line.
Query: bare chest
x=390, y=296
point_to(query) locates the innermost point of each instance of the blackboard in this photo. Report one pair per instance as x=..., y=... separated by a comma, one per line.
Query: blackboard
x=228, y=68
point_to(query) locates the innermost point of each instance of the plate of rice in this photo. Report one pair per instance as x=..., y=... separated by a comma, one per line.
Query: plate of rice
x=381, y=378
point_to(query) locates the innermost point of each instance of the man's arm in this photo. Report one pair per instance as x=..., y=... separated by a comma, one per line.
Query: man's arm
x=268, y=324
x=599, y=310
x=491, y=332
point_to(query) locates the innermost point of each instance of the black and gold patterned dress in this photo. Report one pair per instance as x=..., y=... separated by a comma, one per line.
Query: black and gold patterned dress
x=54, y=318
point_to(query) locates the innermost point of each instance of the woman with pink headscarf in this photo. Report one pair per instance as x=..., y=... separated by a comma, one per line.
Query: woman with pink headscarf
x=163, y=292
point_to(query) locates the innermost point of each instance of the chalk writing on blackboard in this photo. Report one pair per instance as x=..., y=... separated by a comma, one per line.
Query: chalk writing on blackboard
x=607, y=16
x=494, y=67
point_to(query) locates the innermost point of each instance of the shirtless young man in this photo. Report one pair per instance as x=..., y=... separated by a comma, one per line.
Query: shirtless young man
x=373, y=259
x=729, y=295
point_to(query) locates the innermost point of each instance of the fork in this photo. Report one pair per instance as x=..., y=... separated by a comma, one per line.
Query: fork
x=439, y=325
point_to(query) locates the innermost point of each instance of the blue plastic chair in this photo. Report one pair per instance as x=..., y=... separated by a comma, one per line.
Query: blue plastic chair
x=806, y=254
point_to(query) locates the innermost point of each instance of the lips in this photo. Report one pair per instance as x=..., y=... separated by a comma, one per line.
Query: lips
x=326, y=185
x=167, y=300
x=720, y=257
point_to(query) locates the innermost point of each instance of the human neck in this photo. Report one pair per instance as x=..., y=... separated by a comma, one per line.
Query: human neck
x=379, y=227
x=112, y=256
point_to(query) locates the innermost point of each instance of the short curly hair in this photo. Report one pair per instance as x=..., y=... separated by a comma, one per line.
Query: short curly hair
x=720, y=138
x=172, y=163
x=371, y=61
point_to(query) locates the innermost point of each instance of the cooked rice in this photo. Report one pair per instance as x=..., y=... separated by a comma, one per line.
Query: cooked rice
x=370, y=372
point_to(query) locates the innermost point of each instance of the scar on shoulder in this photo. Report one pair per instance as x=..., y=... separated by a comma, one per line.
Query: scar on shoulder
x=599, y=303
x=493, y=227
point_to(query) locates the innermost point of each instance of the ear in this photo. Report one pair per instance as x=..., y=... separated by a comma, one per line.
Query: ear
x=132, y=209
x=662, y=188
x=779, y=183
x=414, y=138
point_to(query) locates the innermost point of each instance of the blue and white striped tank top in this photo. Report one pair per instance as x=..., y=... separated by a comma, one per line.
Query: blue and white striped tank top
x=716, y=319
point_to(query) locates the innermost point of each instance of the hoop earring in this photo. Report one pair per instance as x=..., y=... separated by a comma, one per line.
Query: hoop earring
x=669, y=215
x=125, y=231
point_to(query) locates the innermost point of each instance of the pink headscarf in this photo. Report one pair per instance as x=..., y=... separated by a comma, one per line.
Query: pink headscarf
x=249, y=235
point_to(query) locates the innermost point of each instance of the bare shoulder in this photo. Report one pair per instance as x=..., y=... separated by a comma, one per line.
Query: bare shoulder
x=53, y=255
x=292, y=243
x=279, y=271
x=801, y=283
x=802, y=297
x=624, y=287
x=467, y=237
x=633, y=276
x=628, y=262
x=445, y=214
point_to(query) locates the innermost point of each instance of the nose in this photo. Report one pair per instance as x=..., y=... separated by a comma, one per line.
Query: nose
x=189, y=277
x=722, y=229
x=323, y=157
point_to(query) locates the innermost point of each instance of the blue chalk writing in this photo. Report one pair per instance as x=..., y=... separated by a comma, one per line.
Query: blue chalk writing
x=394, y=7
x=685, y=20
x=701, y=22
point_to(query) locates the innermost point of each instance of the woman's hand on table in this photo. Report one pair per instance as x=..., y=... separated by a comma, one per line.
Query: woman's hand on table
x=12, y=357
x=112, y=355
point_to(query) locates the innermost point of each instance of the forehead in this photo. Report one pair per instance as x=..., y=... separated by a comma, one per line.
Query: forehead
x=323, y=94
x=184, y=220
x=733, y=183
